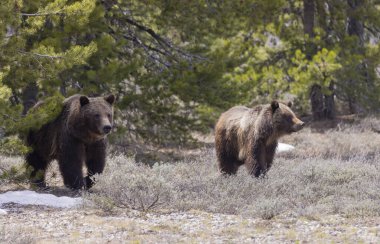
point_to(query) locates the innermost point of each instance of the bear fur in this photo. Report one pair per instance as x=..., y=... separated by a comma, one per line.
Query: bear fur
x=77, y=136
x=249, y=136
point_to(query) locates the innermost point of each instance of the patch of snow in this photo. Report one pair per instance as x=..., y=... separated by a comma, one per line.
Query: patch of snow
x=34, y=198
x=282, y=147
x=3, y=211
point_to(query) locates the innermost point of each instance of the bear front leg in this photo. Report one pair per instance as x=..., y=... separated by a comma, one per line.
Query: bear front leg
x=269, y=155
x=38, y=167
x=71, y=162
x=96, y=160
x=255, y=162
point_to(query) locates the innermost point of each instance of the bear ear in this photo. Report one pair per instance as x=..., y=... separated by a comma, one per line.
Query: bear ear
x=290, y=104
x=84, y=100
x=110, y=99
x=274, y=105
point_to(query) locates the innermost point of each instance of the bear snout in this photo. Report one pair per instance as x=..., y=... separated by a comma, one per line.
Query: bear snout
x=107, y=129
x=298, y=126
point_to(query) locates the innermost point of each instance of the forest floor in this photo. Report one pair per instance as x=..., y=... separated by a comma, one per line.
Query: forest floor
x=327, y=190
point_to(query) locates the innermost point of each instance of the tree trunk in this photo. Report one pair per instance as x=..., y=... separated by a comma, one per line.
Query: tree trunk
x=316, y=100
x=355, y=28
x=308, y=26
x=29, y=97
x=308, y=17
x=330, y=103
x=352, y=105
x=316, y=95
x=322, y=106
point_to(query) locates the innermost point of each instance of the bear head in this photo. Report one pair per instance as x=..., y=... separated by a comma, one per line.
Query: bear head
x=284, y=120
x=97, y=113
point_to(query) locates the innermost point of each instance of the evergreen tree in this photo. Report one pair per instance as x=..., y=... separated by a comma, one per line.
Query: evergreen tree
x=175, y=65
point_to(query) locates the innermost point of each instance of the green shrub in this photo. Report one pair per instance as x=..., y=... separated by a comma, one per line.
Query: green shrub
x=12, y=146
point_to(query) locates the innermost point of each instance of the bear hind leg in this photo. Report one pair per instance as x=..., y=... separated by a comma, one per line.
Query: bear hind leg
x=230, y=169
x=228, y=165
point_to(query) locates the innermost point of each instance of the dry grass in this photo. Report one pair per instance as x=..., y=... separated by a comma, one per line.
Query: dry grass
x=10, y=169
x=16, y=236
x=335, y=172
x=6, y=163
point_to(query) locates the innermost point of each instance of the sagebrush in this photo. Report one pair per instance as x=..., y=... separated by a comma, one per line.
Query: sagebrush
x=334, y=172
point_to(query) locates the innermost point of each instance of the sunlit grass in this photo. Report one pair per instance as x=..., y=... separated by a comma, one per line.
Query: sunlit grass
x=335, y=172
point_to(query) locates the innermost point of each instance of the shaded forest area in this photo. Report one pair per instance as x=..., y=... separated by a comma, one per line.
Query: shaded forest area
x=176, y=65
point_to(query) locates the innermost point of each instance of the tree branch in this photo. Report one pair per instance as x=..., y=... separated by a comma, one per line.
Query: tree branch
x=9, y=117
x=41, y=14
x=374, y=31
x=40, y=55
x=165, y=44
x=146, y=29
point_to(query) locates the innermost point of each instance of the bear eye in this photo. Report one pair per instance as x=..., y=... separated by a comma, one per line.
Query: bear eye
x=109, y=115
x=97, y=116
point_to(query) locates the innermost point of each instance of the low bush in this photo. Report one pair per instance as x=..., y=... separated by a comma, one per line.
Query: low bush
x=335, y=172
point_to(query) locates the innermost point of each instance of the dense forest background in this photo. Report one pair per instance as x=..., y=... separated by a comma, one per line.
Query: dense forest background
x=176, y=65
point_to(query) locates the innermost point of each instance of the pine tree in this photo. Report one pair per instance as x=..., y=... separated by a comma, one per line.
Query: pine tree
x=175, y=65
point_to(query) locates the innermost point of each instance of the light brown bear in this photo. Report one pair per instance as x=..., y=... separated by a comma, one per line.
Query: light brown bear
x=249, y=136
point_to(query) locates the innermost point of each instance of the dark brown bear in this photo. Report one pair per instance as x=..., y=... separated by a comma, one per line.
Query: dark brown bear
x=76, y=136
x=249, y=136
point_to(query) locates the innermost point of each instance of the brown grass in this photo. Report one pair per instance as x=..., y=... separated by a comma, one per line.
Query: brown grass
x=10, y=170
x=16, y=236
x=334, y=172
